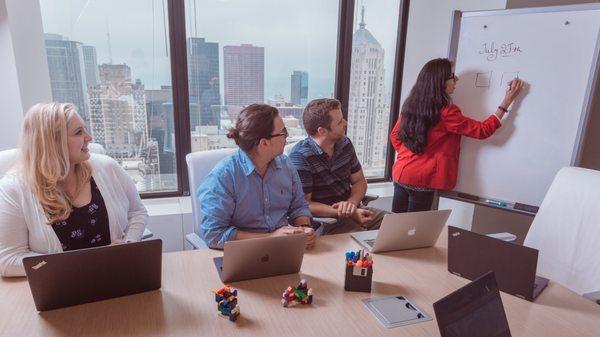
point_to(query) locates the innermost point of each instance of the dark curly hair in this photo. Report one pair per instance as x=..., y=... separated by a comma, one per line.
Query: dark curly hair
x=254, y=123
x=421, y=109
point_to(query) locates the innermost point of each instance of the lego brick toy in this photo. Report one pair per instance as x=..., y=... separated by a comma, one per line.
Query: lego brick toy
x=226, y=298
x=299, y=295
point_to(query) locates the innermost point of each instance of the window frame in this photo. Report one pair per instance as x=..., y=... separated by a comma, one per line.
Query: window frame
x=179, y=80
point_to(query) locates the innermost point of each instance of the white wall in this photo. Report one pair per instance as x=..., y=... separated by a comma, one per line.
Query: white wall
x=27, y=81
x=428, y=37
x=28, y=43
x=11, y=111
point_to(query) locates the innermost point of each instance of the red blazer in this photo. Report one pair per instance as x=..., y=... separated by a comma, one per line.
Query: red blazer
x=437, y=167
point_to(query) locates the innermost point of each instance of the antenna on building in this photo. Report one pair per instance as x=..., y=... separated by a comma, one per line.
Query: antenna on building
x=362, y=17
x=195, y=20
x=110, y=61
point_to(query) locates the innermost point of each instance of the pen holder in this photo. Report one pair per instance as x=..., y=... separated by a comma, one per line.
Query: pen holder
x=358, y=278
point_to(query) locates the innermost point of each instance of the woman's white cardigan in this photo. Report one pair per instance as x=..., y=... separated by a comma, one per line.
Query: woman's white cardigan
x=23, y=228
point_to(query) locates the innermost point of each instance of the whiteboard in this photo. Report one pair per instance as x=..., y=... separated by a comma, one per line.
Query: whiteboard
x=553, y=49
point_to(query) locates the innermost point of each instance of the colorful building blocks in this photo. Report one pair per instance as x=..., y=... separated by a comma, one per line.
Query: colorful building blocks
x=299, y=295
x=226, y=298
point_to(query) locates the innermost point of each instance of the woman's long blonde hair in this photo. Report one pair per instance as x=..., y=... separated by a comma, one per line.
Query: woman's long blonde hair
x=45, y=157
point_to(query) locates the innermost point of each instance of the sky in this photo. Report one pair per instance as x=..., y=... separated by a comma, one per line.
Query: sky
x=296, y=35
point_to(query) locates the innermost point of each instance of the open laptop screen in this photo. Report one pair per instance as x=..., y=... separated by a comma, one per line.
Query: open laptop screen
x=474, y=310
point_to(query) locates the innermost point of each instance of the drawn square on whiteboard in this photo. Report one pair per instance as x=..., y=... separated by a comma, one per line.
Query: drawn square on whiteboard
x=483, y=80
x=507, y=76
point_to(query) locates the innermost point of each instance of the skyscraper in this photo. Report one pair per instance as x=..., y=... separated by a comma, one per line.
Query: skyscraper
x=118, y=118
x=367, y=108
x=90, y=64
x=299, y=85
x=244, y=73
x=203, y=74
x=159, y=108
x=67, y=75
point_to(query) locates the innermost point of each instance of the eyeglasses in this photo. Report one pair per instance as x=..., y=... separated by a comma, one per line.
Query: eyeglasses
x=283, y=133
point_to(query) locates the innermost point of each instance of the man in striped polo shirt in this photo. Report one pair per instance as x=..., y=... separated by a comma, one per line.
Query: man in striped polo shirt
x=331, y=175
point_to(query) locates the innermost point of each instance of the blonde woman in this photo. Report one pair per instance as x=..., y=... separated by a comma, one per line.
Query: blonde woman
x=60, y=197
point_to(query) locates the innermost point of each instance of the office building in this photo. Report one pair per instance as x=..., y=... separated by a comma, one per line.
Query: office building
x=244, y=73
x=299, y=87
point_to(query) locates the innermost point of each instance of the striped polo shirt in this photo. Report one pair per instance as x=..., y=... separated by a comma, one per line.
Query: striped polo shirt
x=328, y=179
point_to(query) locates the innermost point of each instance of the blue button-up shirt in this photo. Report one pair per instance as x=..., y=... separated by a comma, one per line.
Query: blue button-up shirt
x=234, y=196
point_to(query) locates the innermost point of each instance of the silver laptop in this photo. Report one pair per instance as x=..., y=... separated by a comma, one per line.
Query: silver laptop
x=88, y=275
x=400, y=231
x=262, y=257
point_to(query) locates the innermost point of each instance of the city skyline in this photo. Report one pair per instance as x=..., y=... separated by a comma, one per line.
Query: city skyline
x=298, y=35
x=135, y=125
x=203, y=66
x=135, y=122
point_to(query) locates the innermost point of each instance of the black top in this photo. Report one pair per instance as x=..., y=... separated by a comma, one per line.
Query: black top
x=87, y=226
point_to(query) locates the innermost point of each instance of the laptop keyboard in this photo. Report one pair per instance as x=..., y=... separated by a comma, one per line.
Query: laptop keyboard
x=370, y=242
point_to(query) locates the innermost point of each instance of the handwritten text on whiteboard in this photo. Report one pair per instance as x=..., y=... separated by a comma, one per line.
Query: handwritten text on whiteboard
x=491, y=50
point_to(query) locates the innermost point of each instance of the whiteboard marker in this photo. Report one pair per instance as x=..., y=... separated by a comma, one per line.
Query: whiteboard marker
x=496, y=202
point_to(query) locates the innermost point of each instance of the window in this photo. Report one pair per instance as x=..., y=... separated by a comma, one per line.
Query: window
x=111, y=59
x=371, y=77
x=282, y=53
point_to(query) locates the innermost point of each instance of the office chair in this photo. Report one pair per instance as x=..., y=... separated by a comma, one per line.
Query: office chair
x=566, y=231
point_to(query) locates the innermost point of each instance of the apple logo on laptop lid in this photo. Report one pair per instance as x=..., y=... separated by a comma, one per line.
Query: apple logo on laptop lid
x=412, y=231
x=264, y=258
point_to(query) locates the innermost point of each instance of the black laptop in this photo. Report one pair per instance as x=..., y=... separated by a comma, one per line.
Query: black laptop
x=474, y=310
x=94, y=274
x=470, y=255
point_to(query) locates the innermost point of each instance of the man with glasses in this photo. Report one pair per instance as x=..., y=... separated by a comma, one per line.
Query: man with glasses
x=255, y=192
x=331, y=175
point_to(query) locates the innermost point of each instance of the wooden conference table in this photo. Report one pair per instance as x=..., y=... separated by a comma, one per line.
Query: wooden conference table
x=185, y=305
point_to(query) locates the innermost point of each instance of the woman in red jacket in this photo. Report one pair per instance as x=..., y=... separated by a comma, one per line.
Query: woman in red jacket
x=427, y=136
